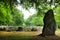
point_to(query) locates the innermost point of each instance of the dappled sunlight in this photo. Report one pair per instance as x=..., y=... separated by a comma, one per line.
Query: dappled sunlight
x=53, y=37
x=58, y=32
x=20, y=33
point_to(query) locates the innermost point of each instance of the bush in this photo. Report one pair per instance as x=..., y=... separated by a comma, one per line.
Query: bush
x=34, y=29
x=8, y=29
x=19, y=29
x=27, y=29
x=2, y=29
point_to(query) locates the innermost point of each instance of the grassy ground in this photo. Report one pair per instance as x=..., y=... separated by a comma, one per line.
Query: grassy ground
x=17, y=35
x=58, y=32
x=27, y=36
x=56, y=37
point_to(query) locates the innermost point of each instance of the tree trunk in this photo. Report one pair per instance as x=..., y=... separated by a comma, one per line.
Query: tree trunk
x=49, y=24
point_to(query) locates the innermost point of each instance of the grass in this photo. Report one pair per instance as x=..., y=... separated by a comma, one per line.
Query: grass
x=56, y=37
x=26, y=36
x=17, y=35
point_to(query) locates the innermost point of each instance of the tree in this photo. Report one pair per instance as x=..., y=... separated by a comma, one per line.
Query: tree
x=57, y=16
x=32, y=20
x=9, y=14
x=5, y=14
x=17, y=18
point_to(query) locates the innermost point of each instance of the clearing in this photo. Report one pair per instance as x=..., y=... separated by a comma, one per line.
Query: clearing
x=27, y=36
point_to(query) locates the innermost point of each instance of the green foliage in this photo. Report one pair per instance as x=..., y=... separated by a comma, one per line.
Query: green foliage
x=35, y=20
x=57, y=16
x=5, y=14
x=39, y=4
x=9, y=15
x=17, y=17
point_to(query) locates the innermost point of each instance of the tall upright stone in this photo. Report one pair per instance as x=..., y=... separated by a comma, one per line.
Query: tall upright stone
x=49, y=24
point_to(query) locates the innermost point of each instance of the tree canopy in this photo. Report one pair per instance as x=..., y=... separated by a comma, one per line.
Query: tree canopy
x=9, y=14
x=8, y=8
x=39, y=4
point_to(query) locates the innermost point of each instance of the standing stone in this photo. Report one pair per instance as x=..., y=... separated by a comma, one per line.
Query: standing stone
x=49, y=24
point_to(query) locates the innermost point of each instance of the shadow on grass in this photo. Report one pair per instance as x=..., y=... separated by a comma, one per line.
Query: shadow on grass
x=46, y=38
x=29, y=38
x=15, y=38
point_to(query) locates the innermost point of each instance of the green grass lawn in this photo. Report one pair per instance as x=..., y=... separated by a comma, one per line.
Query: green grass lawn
x=17, y=35
x=24, y=35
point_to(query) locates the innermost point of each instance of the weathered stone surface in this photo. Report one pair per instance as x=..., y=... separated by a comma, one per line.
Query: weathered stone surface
x=49, y=24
